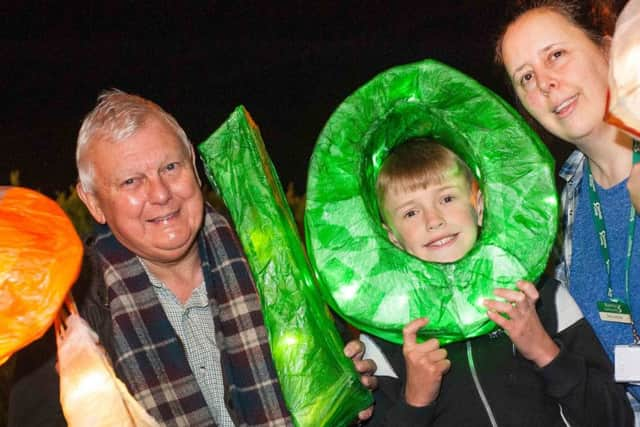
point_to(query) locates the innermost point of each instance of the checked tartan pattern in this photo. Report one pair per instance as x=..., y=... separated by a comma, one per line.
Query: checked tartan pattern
x=149, y=357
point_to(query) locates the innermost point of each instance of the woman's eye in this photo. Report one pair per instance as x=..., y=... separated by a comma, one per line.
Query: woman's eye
x=526, y=80
x=172, y=166
x=557, y=54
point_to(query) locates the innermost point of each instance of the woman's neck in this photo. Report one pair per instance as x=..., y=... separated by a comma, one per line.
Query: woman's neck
x=609, y=157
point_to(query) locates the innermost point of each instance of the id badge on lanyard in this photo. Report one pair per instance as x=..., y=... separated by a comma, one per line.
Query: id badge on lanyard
x=614, y=311
x=627, y=357
x=627, y=363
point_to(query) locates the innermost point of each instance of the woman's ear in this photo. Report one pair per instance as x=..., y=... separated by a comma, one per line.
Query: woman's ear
x=605, y=46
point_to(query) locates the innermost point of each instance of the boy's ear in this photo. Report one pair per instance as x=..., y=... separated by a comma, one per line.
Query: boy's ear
x=392, y=236
x=479, y=206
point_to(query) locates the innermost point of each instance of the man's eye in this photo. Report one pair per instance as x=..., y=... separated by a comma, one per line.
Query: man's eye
x=128, y=181
x=172, y=166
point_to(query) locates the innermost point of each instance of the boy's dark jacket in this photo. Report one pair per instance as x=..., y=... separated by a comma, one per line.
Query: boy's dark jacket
x=575, y=389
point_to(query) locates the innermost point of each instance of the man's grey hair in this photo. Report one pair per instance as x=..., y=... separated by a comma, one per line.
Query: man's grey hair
x=117, y=116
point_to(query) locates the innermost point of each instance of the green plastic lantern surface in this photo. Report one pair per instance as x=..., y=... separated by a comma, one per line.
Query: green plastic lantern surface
x=320, y=385
x=364, y=277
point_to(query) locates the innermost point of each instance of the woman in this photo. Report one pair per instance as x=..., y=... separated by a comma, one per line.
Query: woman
x=558, y=68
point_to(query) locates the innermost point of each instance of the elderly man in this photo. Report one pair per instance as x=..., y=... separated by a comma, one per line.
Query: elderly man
x=171, y=294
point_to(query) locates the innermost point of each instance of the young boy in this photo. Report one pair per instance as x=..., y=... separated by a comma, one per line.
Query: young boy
x=543, y=367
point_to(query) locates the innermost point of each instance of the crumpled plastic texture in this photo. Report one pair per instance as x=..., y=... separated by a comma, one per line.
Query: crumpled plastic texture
x=623, y=108
x=364, y=277
x=40, y=258
x=90, y=393
x=320, y=385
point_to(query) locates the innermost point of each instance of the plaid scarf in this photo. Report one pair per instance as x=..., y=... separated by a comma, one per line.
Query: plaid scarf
x=149, y=357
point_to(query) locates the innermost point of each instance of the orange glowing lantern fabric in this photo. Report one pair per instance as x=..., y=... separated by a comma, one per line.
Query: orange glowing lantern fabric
x=40, y=258
x=623, y=108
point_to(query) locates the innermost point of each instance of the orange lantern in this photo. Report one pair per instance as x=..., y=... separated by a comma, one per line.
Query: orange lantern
x=40, y=258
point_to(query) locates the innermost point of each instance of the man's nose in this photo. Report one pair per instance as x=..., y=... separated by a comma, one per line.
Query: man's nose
x=159, y=191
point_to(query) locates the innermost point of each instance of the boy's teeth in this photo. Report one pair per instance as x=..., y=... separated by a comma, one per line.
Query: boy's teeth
x=442, y=241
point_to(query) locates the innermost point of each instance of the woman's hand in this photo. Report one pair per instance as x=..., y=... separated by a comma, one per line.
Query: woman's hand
x=426, y=365
x=522, y=323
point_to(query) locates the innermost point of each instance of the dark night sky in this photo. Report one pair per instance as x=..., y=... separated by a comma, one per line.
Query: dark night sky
x=289, y=62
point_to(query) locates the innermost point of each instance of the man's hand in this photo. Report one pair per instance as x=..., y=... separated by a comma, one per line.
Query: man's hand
x=633, y=185
x=426, y=365
x=522, y=323
x=354, y=350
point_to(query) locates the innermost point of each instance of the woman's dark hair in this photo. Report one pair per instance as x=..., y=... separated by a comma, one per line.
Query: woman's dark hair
x=596, y=18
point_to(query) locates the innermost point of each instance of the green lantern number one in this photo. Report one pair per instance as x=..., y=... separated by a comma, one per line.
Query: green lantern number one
x=378, y=287
x=320, y=385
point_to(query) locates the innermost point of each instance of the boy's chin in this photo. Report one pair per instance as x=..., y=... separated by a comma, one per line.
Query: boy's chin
x=441, y=259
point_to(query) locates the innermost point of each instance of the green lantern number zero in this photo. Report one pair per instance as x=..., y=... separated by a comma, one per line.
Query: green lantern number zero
x=378, y=287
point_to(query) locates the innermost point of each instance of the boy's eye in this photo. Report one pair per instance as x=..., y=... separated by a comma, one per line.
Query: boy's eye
x=410, y=214
x=448, y=199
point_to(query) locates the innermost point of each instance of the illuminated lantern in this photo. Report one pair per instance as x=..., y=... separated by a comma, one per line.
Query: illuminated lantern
x=623, y=109
x=320, y=385
x=90, y=393
x=40, y=258
x=378, y=287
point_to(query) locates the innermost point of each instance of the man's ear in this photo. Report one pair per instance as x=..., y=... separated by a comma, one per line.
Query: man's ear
x=192, y=153
x=392, y=236
x=92, y=204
